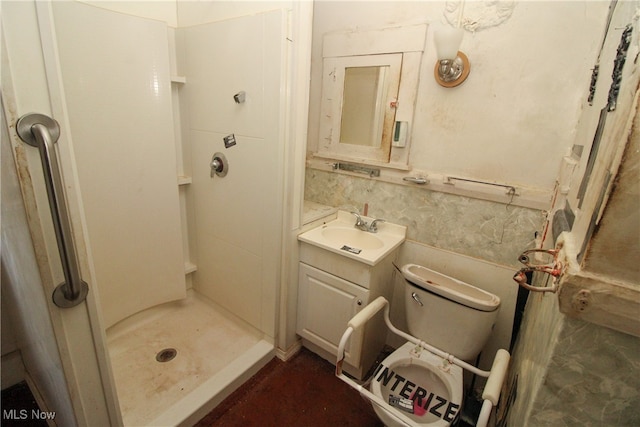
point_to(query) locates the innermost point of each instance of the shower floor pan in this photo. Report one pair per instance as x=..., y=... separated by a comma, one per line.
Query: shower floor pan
x=173, y=363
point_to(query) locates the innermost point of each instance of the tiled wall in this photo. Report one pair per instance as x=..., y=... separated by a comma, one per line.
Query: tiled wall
x=593, y=379
x=537, y=339
x=486, y=230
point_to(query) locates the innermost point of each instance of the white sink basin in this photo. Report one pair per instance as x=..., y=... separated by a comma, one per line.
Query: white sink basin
x=352, y=237
x=341, y=237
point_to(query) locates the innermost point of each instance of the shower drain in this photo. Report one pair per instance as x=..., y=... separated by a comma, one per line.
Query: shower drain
x=166, y=355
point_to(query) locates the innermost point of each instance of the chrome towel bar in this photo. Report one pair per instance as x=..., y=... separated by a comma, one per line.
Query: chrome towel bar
x=416, y=180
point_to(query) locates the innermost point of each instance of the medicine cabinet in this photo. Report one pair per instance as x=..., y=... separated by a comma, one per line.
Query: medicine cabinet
x=359, y=96
x=369, y=85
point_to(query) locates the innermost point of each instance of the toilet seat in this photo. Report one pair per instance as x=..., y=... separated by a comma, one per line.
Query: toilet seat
x=425, y=387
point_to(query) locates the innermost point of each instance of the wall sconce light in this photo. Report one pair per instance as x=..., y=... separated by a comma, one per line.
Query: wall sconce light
x=453, y=66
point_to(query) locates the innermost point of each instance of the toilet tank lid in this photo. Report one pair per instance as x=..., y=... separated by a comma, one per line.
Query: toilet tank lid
x=450, y=288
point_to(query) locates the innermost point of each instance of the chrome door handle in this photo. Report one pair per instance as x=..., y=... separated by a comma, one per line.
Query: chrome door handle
x=38, y=130
x=416, y=298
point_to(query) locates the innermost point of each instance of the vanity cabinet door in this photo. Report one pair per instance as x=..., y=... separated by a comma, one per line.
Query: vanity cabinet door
x=325, y=304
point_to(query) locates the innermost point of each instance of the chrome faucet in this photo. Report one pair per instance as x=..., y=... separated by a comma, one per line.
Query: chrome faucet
x=364, y=226
x=373, y=228
x=360, y=223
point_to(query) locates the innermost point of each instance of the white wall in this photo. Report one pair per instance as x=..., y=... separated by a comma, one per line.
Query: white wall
x=164, y=11
x=514, y=118
x=186, y=13
x=193, y=13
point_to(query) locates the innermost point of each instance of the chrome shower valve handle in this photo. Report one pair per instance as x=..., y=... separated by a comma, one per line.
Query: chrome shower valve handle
x=219, y=165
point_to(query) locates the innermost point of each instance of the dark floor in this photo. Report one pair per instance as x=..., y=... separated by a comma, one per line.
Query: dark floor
x=303, y=391
x=300, y=392
x=18, y=406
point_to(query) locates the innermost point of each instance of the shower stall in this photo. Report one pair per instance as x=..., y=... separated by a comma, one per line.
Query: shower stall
x=184, y=266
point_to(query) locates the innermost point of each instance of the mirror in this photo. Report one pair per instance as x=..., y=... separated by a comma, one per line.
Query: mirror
x=363, y=107
x=359, y=95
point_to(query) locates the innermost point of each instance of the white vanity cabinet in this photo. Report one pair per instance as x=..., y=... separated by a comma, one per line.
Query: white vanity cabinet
x=341, y=270
x=331, y=290
x=325, y=305
x=335, y=284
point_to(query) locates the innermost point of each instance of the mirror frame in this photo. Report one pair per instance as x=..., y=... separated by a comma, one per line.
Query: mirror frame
x=408, y=43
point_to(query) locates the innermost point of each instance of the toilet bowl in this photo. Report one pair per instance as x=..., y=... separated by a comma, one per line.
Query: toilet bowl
x=425, y=387
x=455, y=319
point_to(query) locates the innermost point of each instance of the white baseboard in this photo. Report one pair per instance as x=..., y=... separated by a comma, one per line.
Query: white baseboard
x=285, y=355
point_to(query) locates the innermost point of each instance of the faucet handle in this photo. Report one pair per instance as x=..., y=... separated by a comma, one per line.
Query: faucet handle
x=374, y=224
x=358, y=218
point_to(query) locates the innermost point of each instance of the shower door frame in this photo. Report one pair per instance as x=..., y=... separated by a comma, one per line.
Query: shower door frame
x=78, y=330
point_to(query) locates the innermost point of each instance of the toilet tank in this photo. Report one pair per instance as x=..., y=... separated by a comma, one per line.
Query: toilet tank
x=447, y=313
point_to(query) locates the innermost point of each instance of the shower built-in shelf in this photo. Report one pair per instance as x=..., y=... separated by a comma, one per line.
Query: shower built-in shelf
x=184, y=180
x=189, y=268
x=178, y=79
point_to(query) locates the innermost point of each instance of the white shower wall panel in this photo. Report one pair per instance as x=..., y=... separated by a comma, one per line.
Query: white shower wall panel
x=235, y=201
x=223, y=59
x=229, y=224
x=238, y=217
x=115, y=71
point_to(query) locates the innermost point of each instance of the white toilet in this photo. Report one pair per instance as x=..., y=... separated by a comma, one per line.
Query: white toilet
x=450, y=315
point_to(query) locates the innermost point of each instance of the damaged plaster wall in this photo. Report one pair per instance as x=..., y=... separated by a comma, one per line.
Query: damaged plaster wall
x=615, y=248
x=566, y=371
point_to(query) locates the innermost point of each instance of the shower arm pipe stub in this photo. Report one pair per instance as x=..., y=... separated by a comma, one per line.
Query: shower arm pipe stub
x=42, y=132
x=553, y=269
